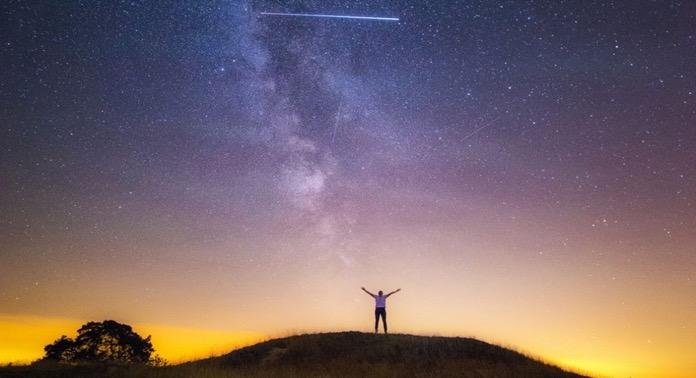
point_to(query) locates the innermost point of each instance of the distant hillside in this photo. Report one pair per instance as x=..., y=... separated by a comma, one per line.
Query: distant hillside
x=345, y=354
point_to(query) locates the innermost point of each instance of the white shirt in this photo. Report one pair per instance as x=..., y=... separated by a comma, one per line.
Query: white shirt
x=380, y=301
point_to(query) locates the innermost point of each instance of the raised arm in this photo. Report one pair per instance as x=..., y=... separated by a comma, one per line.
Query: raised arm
x=394, y=292
x=370, y=294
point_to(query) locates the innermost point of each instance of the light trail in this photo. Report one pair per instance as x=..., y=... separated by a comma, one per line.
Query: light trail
x=331, y=16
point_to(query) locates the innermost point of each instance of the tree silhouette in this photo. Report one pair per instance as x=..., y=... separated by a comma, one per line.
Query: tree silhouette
x=61, y=349
x=106, y=341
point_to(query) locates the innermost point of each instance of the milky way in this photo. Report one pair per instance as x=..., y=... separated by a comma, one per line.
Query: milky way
x=490, y=157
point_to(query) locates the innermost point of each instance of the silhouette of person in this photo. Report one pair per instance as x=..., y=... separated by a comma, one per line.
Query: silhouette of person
x=380, y=307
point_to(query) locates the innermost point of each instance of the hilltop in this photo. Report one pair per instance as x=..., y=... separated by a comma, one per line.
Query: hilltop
x=343, y=354
x=364, y=354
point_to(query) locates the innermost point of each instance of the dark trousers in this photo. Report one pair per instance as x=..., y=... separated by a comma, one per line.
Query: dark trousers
x=381, y=311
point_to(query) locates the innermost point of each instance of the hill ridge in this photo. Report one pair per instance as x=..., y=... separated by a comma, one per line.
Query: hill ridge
x=331, y=354
x=354, y=353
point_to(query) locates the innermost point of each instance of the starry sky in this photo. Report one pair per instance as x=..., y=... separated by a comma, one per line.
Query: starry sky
x=523, y=170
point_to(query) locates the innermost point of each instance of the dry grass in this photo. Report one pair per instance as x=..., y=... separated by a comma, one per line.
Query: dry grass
x=345, y=354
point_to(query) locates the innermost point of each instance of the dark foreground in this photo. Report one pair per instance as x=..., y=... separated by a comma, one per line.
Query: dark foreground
x=346, y=354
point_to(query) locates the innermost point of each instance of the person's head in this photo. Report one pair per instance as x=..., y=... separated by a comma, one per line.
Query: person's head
x=380, y=293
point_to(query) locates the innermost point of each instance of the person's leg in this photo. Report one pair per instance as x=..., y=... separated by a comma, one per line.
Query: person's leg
x=384, y=319
x=376, y=319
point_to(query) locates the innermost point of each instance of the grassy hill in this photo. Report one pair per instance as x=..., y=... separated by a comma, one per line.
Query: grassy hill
x=345, y=354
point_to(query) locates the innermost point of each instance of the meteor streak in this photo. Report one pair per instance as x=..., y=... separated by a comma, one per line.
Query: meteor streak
x=331, y=16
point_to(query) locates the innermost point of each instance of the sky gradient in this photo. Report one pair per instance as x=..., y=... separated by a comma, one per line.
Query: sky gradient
x=523, y=170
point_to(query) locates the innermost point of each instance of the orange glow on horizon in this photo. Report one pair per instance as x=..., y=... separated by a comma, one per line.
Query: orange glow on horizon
x=22, y=338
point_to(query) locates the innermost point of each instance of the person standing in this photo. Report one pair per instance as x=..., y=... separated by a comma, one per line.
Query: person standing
x=380, y=307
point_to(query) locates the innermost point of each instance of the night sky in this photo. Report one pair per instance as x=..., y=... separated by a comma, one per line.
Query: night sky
x=524, y=170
